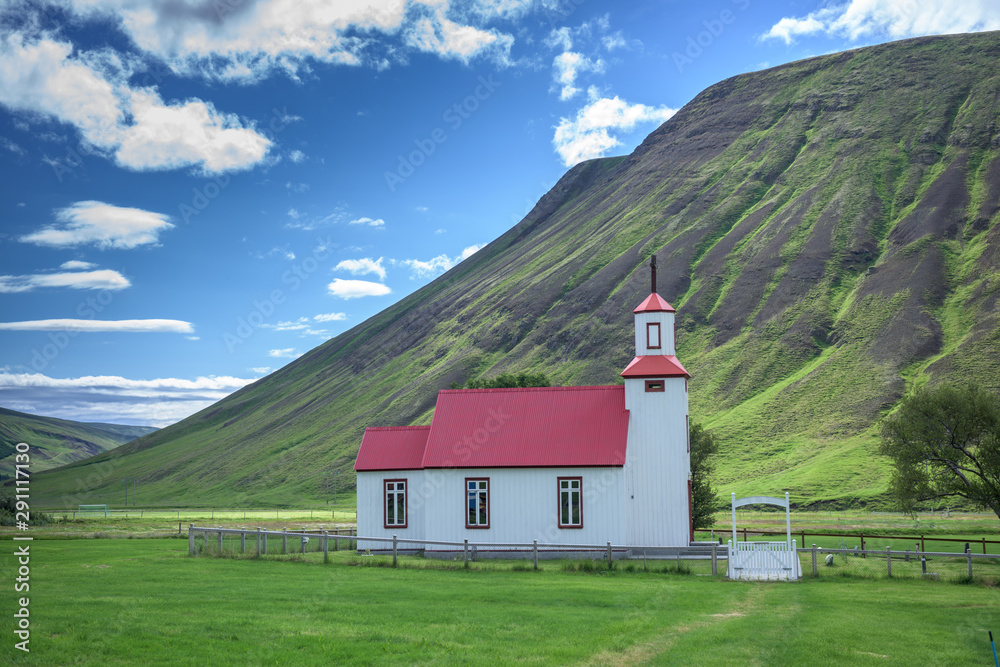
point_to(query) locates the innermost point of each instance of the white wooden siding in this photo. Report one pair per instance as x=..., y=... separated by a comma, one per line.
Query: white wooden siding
x=371, y=496
x=666, y=321
x=657, y=465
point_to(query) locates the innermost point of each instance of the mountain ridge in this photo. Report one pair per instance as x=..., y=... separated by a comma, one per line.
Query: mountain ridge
x=826, y=230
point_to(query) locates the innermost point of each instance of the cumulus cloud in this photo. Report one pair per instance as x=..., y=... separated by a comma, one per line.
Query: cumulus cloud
x=102, y=279
x=285, y=353
x=114, y=399
x=245, y=41
x=858, y=19
x=103, y=225
x=363, y=266
x=567, y=66
x=330, y=317
x=77, y=265
x=590, y=133
x=437, y=265
x=92, y=326
x=355, y=289
x=368, y=221
x=134, y=125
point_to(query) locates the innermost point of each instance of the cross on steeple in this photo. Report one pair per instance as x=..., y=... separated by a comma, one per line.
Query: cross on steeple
x=652, y=267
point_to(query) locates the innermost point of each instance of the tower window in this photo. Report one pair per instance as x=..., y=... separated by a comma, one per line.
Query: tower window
x=654, y=385
x=653, y=335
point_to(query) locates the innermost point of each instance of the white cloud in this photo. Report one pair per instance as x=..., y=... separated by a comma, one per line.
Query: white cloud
x=368, y=221
x=330, y=317
x=355, y=289
x=90, y=91
x=437, y=265
x=77, y=265
x=589, y=134
x=857, y=19
x=296, y=156
x=245, y=41
x=103, y=279
x=363, y=266
x=114, y=399
x=567, y=66
x=93, y=326
x=261, y=370
x=286, y=353
x=104, y=225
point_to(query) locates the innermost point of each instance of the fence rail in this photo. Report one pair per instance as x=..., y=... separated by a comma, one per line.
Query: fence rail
x=702, y=557
x=913, y=539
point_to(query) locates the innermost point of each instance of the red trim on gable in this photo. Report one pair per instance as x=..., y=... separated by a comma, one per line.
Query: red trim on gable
x=654, y=303
x=655, y=366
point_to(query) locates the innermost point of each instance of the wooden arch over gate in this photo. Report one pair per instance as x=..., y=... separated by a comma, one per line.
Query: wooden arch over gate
x=765, y=500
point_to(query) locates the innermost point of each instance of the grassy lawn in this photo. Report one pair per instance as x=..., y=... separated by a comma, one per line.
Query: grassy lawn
x=144, y=600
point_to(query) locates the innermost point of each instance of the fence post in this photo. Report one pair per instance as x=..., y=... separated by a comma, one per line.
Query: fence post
x=465, y=556
x=394, y=551
x=815, y=571
x=264, y=543
x=258, y=541
x=715, y=561
x=534, y=552
x=302, y=541
x=326, y=546
x=284, y=540
x=888, y=560
x=220, y=539
x=609, y=555
x=191, y=539
x=969, y=556
x=243, y=540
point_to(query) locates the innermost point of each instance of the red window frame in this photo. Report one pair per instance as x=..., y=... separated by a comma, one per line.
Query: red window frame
x=385, y=502
x=489, y=515
x=656, y=385
x=559, y=492
x=649, y=337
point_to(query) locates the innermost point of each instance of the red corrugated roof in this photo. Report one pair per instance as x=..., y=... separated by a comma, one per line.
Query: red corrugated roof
x=654, y=303
x=655, y=366
x=392, y=448
x=536, y=427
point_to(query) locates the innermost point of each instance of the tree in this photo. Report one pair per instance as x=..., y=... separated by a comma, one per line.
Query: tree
x=945, y=442
x=704, y=501
x=506, y=380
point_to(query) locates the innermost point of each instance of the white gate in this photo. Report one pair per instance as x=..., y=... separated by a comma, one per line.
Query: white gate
x=764, y=561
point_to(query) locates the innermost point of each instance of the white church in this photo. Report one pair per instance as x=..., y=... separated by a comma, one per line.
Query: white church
x=560, y=465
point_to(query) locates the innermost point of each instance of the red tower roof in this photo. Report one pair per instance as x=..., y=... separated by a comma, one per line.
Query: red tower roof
x=654, y=303
x=655, y=366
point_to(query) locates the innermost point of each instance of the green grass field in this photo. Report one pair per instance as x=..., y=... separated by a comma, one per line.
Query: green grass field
x=106, y=602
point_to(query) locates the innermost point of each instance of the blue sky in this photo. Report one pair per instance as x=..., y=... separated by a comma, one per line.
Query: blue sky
x=196, y=192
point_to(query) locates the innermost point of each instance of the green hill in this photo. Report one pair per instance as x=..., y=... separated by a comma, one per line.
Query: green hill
x=55, y=442
x=827, y=230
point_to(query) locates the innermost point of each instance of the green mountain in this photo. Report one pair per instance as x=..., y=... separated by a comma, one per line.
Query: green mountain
x=827, y=230
x=55, y=442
